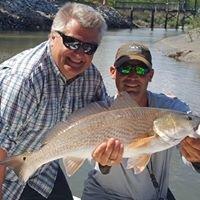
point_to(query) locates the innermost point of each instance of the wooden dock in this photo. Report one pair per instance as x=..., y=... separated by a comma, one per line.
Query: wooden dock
x=171, y=9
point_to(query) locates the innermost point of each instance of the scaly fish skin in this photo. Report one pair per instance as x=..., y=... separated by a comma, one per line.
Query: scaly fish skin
x=142, y=130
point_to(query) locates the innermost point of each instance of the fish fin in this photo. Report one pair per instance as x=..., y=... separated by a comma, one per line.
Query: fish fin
x=90, y=109
x=123, y=100
x=20, y=166
x=139, y=163
x=72, y=164
x=141, y=141
x=81, y=113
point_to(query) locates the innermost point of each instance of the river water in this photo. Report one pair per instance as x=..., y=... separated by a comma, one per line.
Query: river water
x=171, y=77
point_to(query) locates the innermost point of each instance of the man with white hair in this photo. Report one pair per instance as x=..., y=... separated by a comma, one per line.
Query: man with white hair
x=43, y=86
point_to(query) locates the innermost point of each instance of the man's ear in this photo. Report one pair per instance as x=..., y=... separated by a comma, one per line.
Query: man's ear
x=151, y=73
x=51, y=36
x=112, y=72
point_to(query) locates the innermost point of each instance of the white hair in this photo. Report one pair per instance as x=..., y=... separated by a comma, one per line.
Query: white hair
x=85, y=15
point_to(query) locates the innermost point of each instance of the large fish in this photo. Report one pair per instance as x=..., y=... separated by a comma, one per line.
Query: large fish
x=142, y=130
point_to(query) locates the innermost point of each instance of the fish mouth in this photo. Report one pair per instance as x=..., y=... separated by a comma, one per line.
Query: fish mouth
x=195, y=118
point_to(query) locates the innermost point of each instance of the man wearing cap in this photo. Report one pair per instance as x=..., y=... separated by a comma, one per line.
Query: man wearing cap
x=132, y=71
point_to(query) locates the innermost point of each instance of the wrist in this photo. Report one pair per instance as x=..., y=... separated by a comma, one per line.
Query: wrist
x=104, y=169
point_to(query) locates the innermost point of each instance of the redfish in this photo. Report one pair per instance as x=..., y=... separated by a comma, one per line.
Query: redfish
x=142, y=130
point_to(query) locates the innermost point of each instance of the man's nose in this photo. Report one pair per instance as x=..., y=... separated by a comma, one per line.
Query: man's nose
x=79, y=52
x=133, y=75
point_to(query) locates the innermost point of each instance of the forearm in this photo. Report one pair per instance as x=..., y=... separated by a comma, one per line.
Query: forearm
x=3, y=155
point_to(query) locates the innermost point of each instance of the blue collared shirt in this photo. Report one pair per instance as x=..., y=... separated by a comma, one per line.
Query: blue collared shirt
x=34, y=96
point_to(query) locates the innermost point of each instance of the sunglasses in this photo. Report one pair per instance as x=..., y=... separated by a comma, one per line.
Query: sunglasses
x=137, y=69
x=75, y=44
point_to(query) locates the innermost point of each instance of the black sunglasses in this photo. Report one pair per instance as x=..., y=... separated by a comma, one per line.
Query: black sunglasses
x=75, y=44
x=129, y=69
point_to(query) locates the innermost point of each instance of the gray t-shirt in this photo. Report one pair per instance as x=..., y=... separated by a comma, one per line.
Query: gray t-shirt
x=122, y=183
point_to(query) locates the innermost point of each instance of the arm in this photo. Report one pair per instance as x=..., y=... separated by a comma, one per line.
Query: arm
x=16, y=108
x=2, y=170
x=190, y=149
x=107, y=154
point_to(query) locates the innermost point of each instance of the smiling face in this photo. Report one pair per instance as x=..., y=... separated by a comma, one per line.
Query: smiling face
x=73, y=62
x=134, y=84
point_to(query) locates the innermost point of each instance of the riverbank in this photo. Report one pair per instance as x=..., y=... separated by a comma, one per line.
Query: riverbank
x=37, y=15
x=185, y=47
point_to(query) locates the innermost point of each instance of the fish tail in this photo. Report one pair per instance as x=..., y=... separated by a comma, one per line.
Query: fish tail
x=20, y=165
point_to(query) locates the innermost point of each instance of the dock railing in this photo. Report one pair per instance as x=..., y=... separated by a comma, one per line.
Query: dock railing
x=146, y=5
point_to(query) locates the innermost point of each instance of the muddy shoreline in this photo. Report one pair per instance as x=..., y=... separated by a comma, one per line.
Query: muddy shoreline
x=184, y=47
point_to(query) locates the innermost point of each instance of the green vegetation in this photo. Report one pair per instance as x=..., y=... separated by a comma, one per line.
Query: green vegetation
x=193, y=32
x=194, y=22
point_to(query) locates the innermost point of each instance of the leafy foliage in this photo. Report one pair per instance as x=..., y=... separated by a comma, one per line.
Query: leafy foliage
x=194, y=22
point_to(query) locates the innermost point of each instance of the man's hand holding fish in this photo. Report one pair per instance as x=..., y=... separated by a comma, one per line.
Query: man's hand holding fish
x=109, y=153
x=190, y=149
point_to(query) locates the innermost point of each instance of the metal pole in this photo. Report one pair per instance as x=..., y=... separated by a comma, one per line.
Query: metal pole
x=131, y=26
x=195, y=7
x=166, y=16
x=177, y=20
x=152, y=19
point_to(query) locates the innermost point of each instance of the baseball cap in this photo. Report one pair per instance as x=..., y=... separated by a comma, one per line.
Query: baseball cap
x=133, y=51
